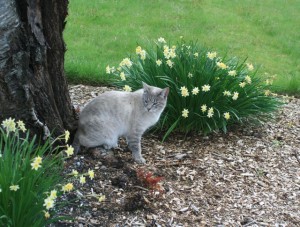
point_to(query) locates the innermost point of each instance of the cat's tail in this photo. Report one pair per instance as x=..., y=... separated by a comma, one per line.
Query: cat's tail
x=76, y=144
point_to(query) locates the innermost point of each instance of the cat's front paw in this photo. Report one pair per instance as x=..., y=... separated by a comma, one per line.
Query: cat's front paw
x=139, y=160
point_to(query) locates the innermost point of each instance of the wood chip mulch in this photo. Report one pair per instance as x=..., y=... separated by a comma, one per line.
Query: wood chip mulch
x=247, y=177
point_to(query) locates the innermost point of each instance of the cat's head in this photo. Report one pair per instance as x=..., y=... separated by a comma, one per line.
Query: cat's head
x=154, y=98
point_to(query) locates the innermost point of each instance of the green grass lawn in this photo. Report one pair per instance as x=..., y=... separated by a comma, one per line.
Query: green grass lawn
x=102, y=32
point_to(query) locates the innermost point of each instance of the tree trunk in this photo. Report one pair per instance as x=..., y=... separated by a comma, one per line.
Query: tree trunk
x=33, y=87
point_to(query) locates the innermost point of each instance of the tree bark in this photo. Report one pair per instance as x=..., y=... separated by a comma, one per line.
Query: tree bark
x=33, y=87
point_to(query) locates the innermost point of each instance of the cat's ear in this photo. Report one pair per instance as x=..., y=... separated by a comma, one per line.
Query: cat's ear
x=145, y=86
x=164, y=93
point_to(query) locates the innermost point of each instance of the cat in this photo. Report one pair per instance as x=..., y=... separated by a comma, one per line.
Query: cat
x=118, y=113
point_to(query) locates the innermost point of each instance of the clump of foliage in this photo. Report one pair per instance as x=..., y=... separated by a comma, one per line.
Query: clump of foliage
x=207, y=92
x=149, y=181
x=30, y=179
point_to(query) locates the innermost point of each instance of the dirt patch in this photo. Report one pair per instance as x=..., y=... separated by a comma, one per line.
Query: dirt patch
x=248, y=177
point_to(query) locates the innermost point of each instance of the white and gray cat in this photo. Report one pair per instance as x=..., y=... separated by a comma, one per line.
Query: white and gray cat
x=115, y=113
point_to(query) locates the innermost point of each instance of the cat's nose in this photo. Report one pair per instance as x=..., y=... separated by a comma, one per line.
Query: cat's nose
x=148, y=108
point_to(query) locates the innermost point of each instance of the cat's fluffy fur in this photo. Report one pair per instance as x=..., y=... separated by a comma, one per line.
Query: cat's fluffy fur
x=114, y=114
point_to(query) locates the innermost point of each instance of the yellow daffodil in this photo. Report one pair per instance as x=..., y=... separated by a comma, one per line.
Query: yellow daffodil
x=38, y=159
x=242, y=84
x=226, y=93
x=122, y=76
x=210, y=112
x=250, y=66
x=195, y=91
x=196, y=54
x=14, y=187
x=74, y=172
x=267, y=92
x=47, y=215
x=170, y=63
x=185, y=113
x=127, y=88
x=21, y=126
x=107, y=69
x=9, y=124
x=227, y=115
x=91, y=174
x=206, y=88
x=82, y=180
x=68, y=187
x=211, y=55
x=184, y=91
x=158, y=62
x=138, y=50
x=221, y=65
x=248, y=79
x=102, y=198
x=161, y=40
x=235, y=95
x=69, y=151
x=67, y=136
x=48, y=203
x=126, y=62
x=53, y=195
x=203, y=108
x=35, y=165
x=143, y=54
x=232, y=73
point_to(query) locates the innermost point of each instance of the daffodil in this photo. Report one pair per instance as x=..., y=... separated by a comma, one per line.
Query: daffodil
x=122, y=76
x=195, y=91
x=210, y=112
x=69, y=151
x=227, y=115
x=235, y=95
x=143, y=54
x=232, y=73
x=126, y=62
x=242, y=84
x=158, y=62
x=250, y=66
x=166, y=52
x=196, y=54
x=91, y=174
x=185, y=113
x=108, y=69
x=211, y=55
x=248, y=79
x=74, y=173
x=138, y=50
x=102, y=198
x=9, y=124
x=161, y=40
x=21, y=126
x=170, y=63
x=68, y=187
x=267, y=92
x=221, y=65
x=47, y=215
x=53, y=195
x=184, y=91
x=35, y=165
x=203, y=108
x=226, y=93
x=127, y=88
x=38, y=159
x=48, y=203
x=206, y=88
x=14, y=187
x=82, y=180
x=67, y=136
x=190, y=75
